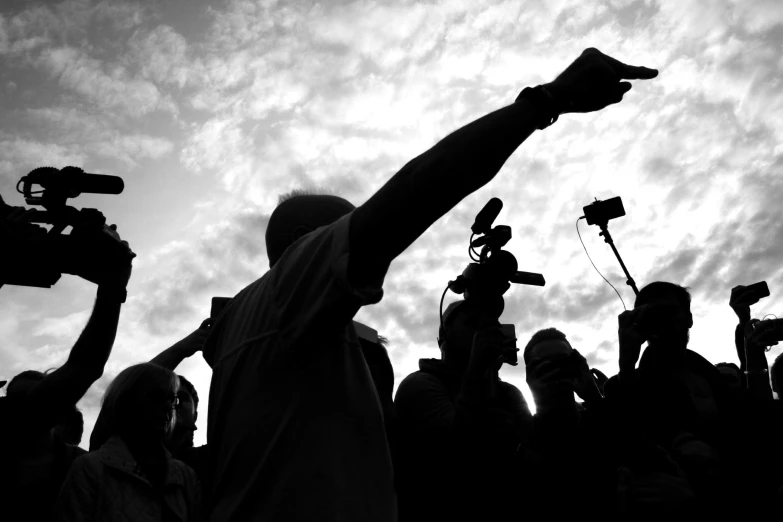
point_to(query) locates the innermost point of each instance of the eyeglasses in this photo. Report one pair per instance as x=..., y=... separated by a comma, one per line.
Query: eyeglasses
x=174, y=402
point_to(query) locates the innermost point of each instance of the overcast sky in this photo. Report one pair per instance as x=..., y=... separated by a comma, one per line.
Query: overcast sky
x=210, y=110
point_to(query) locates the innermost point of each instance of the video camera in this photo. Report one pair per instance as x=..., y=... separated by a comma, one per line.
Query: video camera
x=36, y=257
x=493, y=269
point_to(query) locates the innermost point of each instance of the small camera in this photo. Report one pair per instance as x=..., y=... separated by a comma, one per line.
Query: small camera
x=600, y=212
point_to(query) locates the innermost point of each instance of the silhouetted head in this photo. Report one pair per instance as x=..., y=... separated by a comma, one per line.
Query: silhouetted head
x=731, y=375
x=777, y=375
x=461, y=320
x=69, y=428
x=187, y=414
x=299, y=213
x=549, y=343
x=140, y=404
x=667, y=314
x=23, y=383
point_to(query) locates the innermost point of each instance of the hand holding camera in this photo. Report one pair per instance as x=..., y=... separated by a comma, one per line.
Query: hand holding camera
x=110, y=270
x=744, y=296
x=491, y=348
x=592, y=82
x=760, y=335
x=583, y=382
x=631, y=337
x=194, y=342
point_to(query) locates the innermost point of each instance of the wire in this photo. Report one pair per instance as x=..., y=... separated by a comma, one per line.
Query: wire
x=596, y=269
x=472, y=251
x=441, y=305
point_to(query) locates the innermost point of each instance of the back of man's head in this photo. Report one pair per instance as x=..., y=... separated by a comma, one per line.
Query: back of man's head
x=298, y=213
x=663, y=290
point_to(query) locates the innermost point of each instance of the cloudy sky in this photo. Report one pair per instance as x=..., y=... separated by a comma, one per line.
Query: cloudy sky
x=210, y=110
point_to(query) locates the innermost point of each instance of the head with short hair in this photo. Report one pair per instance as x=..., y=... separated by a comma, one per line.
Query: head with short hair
x=139, y=403
x=660, y=290
x=549, y=342
x=731, y=375
x=298, y=213
x=667, y=314
x=461, y=320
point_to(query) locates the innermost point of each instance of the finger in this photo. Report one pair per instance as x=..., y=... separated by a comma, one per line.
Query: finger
x=624, y=87
x=633, y=72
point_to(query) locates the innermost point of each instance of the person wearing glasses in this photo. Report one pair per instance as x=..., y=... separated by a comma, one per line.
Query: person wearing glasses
x=129, y=474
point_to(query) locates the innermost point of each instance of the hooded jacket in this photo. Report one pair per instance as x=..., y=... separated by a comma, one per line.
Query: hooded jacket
x=108, y=486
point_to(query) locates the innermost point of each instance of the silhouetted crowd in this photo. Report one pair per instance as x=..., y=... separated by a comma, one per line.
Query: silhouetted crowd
x=303, y=424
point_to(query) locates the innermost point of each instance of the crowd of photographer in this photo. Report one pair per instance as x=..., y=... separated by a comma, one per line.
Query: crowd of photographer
x=302, y=424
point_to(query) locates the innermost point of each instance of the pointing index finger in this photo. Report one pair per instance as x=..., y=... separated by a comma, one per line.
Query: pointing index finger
x=631, y=72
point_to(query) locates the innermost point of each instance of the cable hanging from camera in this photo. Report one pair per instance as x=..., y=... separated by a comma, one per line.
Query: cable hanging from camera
x=596, y=268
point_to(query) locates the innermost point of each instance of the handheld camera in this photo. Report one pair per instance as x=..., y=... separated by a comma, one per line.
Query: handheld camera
x=37, y=257
x=493, y=269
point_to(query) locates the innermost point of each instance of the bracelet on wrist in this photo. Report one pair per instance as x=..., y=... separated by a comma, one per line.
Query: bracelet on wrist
x=112, y=293
x=749, y=373
x=542, y=98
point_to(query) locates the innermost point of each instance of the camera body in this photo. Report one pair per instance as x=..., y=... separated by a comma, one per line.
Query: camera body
x=494, y=269
x=600, y=212
x=774, y=326
x=37, y=257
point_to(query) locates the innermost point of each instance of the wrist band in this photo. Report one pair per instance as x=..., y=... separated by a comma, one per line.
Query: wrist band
x=112, y=294
x=540, y=97
x=756, y=372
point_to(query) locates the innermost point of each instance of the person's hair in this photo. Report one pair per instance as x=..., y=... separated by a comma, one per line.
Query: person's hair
x=547, y=334
x=448, y=318
x=731, y=365
x=292, y=215
x=777, y=375
x=32, y=375
x=311, y=191
x=117, y=407
x=662, y=289
x=187, y=386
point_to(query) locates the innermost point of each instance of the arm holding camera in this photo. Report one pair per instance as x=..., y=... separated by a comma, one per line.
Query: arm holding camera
x=758, y=337
x=741, y=299
x=67, y=385
x=190, y=345
x=464, y=161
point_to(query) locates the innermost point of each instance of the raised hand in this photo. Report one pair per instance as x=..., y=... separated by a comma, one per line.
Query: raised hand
x=631, y=340
x=741, y=299
x=490, y=350
x=594, y=81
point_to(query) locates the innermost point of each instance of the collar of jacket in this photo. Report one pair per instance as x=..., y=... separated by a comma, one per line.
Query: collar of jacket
x=115, y=453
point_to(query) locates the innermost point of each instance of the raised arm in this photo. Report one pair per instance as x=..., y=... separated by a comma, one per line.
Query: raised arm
x=181, y=350
x=66, y=385
x=434, y=182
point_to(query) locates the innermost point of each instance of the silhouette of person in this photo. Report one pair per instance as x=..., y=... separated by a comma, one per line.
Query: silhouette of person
x=132, y=474
x=33, y=459
x=295, y=428
x=459, y=425
x=680, y=403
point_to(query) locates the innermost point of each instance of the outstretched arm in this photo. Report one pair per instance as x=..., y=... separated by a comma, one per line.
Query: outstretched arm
x=66, y=385
x=181, y=350
x=434, y=182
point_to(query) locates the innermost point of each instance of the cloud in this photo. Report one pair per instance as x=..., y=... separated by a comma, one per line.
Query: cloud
x=111, y=87
x=20, y=156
